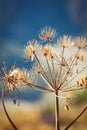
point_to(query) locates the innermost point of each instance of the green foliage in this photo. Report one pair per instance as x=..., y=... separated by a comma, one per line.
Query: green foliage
x=81, y=97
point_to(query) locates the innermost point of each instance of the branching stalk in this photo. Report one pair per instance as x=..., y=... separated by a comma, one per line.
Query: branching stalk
x=41, y=88
x=50, y=70
x=69, y=69
x=45, y=76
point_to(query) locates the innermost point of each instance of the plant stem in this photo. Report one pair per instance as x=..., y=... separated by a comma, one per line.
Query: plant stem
x=11, y=122
x=57, y=111
x=76, y=118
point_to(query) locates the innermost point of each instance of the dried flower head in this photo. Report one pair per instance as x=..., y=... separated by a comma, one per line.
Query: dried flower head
x=21, y=76
x=65, y=41
x=85, y=81
x=82, y=82
x=31, y=48
x=14, y=77
x=80, y=42
x=47, y=50
x=47, y=34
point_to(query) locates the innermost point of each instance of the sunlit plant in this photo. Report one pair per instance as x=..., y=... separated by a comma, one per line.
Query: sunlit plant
x=60, y=65
x=11, y=80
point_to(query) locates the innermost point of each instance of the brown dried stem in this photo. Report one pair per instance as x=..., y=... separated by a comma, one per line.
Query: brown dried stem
x=81, y=113
x=57, y=111
x=3, y=103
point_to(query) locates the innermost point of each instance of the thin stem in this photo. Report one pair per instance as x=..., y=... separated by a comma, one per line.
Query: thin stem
x=44, y=75
x=71, y=64
x=11, y=122
x=76, y=118
x=49, y=69
x=60, y=70
x=57, y=111
x=37, y=87
x=74, y=77
x=73, y=89
x=54, y=74
x=69, y=69
x=41, y=88
x=53, y=66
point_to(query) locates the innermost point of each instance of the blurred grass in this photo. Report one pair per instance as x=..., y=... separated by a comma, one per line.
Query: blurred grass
x=39, y=117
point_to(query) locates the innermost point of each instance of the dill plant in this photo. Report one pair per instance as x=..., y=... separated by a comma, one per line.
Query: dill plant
x=61, y=66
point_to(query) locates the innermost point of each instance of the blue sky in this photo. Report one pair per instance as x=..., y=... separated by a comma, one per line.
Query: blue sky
x=21, y=20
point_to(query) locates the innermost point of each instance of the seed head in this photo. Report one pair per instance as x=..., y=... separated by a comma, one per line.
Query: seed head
x=15, y=77
x=31, y=48
x=47, y=34
x=82, y=82
x=47, y=50
x=80, y=42
x=65, y=42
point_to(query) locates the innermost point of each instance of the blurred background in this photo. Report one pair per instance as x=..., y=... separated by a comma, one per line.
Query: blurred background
x=20, y=21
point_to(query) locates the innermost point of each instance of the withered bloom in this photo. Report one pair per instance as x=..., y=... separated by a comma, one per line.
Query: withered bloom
x=47, y=34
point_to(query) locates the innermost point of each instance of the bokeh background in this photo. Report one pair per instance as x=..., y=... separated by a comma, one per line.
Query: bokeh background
x=20, y=21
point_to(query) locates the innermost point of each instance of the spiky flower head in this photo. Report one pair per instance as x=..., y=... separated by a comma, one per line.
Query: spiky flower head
x=47, y=34
x=48, y=51
x=81, y=42
x=20, y=75
x=65, y=41
x=31, y=48
x=82, y=82
x=14, y=77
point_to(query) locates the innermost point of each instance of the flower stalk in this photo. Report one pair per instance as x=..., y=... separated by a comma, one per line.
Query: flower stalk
x=57, y=117
x=77, y=117
x=57, y=69
x=61, y=68
x=4, y=107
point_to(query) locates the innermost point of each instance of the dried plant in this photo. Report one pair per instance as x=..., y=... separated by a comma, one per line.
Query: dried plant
x=61, y=66
x=11, y=80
